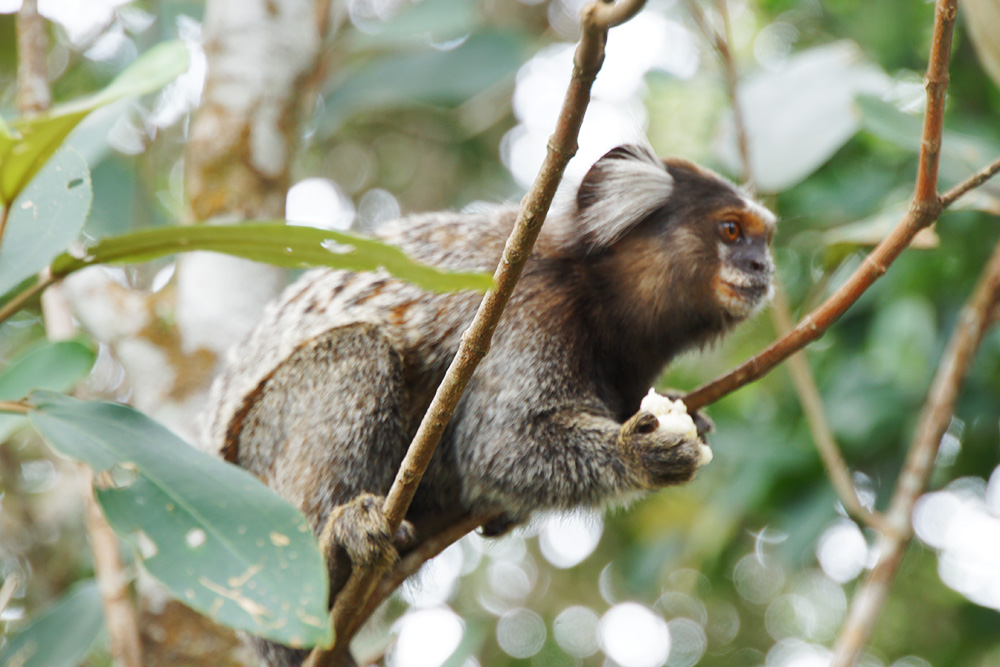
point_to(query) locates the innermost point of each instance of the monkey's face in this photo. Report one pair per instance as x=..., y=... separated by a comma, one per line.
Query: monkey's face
x=742, y=283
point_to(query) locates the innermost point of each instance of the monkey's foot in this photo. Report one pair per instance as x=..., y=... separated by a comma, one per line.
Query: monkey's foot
x=360, y=529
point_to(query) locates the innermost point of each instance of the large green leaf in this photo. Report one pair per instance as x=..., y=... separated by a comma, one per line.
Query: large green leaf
x=60, y=636
x=45, y=218
x=283, y=245
x=425, y=76
x=55, y=366
x=32, y=140
x=211, y=533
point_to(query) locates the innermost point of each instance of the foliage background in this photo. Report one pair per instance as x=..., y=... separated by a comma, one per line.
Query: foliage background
x=754, y=561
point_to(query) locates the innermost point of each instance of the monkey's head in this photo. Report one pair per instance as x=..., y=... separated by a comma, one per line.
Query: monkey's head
x=680, y=246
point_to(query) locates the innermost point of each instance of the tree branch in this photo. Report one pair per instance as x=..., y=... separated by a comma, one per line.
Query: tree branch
x=980, y=177
x=596, y=19
x=973, y=323
x=34, y=96
x=924, y=210
x=798, y=366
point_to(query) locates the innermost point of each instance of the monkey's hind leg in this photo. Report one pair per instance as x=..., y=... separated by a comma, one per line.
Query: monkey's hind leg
x=327, y=433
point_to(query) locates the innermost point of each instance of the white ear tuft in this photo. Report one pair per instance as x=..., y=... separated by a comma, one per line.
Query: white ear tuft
x=622, y=189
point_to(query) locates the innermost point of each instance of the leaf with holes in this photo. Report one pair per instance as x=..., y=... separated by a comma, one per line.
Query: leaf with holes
x=30, y=141
x=211, y=533
x=62, y=634
x=45, y=219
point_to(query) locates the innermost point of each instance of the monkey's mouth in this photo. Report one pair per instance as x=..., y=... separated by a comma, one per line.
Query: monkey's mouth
x=751, y=291
x=745, y=294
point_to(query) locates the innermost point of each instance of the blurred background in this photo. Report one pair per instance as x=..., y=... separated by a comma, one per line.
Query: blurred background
x=414, y=106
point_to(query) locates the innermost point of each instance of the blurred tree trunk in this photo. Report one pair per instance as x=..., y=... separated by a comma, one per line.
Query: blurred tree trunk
x=263, y=59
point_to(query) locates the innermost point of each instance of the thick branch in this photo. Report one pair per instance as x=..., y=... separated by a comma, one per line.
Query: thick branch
x=934, y=419
x=596, y=18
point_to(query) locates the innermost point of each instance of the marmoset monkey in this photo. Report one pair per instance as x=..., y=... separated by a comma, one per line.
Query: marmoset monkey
x=653, y=258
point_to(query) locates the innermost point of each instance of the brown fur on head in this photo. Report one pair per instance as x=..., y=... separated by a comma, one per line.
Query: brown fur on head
x=680, y=253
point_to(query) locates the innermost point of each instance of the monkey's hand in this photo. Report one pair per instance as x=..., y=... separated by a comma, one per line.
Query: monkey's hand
x=665, y=441
x=360, y=529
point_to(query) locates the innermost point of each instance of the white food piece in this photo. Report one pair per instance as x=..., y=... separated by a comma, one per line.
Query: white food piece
x=673, y=417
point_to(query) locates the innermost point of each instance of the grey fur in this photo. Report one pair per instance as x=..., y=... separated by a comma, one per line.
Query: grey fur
x=322, y=399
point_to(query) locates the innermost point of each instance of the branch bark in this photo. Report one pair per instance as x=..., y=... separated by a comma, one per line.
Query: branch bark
x=798, y=364
x=596, y=19
x=34, y=96
x=924, y=210
x=973, y=323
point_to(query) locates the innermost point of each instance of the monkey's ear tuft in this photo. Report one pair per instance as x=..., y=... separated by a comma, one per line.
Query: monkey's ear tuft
x=621, y=190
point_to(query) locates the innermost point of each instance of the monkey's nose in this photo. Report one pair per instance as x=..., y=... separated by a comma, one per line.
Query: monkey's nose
x=753, y=265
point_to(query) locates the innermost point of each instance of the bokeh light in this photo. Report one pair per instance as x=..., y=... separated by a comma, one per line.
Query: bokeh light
x=575, y=630
x=425, y=637
x=633, y=636
x=962, y=522
x=521, y=633
x=566, y=539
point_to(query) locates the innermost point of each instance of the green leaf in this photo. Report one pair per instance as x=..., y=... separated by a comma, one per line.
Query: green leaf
x=425, y=76
x=54, y=366
x=34, y=139
x=61, y=635
x=800, y=114
x=45, y=218
x=211, y=533
x=283, y=245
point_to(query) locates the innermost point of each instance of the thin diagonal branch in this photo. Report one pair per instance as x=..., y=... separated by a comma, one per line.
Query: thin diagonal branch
x=596, y=19
x=934, y=419
x=980, y=177
x=798, y=366
x=924, y=210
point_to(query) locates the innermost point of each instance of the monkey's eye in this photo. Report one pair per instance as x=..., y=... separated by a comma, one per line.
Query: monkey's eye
x=730, y=231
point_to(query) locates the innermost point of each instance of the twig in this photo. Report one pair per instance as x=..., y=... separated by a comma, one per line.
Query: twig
x=798, y=365
x=596, y=19
x=18, y=301
x=413, y=561
x=120, y=617
x=826, y=444
x=33, y=96
x=980, y=177
x=925, y=209
x=14, y=406
x=973, y=323
x=8, y=590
